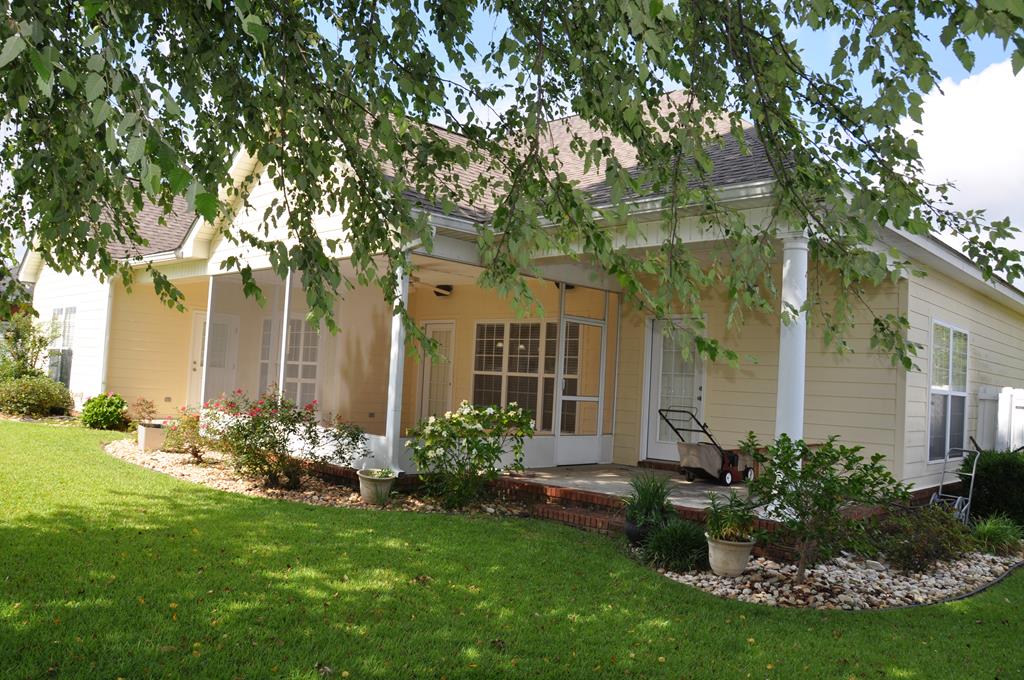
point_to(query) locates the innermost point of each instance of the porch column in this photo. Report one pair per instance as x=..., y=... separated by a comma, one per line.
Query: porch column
x=206, y=343
x=789, y=404
x=396, y=376
x=283, y=349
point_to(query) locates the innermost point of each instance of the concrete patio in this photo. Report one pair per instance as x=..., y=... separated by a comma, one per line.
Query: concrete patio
x=614, y=480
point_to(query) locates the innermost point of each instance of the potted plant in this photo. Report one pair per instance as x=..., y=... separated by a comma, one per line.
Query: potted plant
x=151, y=434
x=730, y=534
x=647, y=506
x=375, y=484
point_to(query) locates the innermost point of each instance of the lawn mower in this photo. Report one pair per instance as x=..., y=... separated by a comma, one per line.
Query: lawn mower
x=705, y=458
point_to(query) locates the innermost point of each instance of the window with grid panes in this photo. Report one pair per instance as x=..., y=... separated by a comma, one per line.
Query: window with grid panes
x=948, y=395
x=514, y=361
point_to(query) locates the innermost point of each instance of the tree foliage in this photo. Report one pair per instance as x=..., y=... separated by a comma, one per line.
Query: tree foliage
x=110, y=103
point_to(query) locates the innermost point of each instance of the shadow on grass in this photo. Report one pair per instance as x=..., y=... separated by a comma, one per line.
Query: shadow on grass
x=135, y=575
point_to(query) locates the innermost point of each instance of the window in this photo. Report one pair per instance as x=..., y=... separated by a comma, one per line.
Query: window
x=515, y=362
x=269, y=354
x=60, y=352
x=300, y=362
x=948, y=399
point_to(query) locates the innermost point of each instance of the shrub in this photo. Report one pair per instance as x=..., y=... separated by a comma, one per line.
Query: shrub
x=809, y=492
x=647, y=504
x=729, y=521
x=677, y=545
x=998, y=534
x=23, y=345
x=34, y=396
x=184, y=435
x=1000, y=477
x=105, y=412
x=912, y=539
x=143, y=410
x=268, y=438
x=461, y=451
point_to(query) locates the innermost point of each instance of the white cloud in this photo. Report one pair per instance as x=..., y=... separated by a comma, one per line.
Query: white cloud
x=973, y=136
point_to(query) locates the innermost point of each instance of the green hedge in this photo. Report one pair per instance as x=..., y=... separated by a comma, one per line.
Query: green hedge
x=999, y=485
x=34, y=396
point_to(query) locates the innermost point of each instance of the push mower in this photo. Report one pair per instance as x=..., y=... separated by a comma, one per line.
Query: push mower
x=705, y=458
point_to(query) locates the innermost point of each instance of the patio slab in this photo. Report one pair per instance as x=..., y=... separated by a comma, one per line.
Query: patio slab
x=614, y=480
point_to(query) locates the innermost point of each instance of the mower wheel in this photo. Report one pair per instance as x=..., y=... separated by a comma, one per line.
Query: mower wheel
x=726, y=478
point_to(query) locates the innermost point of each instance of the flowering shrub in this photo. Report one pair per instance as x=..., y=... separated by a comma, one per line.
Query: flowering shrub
x=267, y=438
x=184, y=435
x=462, y=450
x=105, y=412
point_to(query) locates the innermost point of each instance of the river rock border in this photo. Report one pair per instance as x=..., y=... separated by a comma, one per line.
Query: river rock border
x=854, y=584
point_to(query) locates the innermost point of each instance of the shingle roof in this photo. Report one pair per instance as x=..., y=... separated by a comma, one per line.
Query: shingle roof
x=163, y=232
x=733, y=163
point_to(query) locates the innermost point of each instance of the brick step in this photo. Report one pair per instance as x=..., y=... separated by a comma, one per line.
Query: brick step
x=600, y=521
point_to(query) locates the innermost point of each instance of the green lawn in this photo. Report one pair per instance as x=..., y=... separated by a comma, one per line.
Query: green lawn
x=109, y=570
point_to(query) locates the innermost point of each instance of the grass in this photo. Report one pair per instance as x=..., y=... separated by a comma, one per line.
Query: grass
x=109, y=570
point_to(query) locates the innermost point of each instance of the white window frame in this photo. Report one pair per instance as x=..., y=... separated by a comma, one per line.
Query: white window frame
x=65, y=316
x=298, y=379
x=505, y=374
x=949, y=391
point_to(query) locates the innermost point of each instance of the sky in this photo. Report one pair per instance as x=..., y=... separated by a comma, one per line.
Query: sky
x=972, y=131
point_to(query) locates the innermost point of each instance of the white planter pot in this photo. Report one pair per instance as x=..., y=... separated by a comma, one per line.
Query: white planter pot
x=375, y=490
x=151, y=436
x=728, y=558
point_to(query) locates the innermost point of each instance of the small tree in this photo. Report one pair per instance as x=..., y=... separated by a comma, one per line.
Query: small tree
x=24, y=344
x=810, y=492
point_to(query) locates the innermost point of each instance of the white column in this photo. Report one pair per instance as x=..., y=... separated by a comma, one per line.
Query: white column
x=396, y=376
x=285, y=313
x=789, y=404
x=206, y=341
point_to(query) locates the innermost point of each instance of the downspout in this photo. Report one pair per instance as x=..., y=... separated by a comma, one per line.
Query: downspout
x=106, y=337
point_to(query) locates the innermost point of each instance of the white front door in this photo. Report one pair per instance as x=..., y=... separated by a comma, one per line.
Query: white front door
x=221, y=355
x=436, y=376
x=676, y=381
x=195, y=361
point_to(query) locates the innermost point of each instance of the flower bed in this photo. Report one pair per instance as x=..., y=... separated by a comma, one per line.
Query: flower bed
x=216, y=472
x=848, y=583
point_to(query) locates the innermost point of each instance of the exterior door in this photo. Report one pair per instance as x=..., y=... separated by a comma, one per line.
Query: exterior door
x=436, y=377
x=579, y=409
x=196, y=363
x=675, y=382
x=221, y=355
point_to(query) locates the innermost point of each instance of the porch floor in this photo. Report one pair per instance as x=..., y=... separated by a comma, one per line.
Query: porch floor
x=614, y=480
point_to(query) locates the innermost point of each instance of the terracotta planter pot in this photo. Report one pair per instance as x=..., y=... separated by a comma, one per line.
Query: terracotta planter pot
x=151, y=436
x=375, y=490
x=728, y=558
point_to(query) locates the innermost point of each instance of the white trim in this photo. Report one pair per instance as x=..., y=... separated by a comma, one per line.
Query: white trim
x=396, y=375
x=950, y=392
x=199, y=361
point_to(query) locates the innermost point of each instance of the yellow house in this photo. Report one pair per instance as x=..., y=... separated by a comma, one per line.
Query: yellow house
x=594, y=371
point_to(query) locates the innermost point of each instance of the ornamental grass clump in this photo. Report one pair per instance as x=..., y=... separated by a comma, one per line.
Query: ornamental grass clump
x=647, y=505
x=461, y=451
x=998, y=534
x=269, y=438
x=677, y=546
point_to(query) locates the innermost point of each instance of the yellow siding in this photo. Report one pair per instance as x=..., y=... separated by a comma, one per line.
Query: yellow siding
x=995, y=357
x=853, y=396
x=150, y=343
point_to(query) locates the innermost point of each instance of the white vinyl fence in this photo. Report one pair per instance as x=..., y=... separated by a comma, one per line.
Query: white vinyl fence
x=1000, y=418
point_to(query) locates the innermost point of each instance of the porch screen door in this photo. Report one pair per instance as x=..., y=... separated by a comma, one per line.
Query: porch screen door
x=436, y=379
x=579, y=421
x=676, y=382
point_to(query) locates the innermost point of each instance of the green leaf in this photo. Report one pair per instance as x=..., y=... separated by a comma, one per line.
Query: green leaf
x=253, y=25
x=12, y=48
x=206, y=205
x=67, y=81
x=136, y=147
x=94, y=86
x=1017, y=61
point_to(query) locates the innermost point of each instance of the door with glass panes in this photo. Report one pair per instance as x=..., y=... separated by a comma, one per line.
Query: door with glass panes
x=676, y=381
